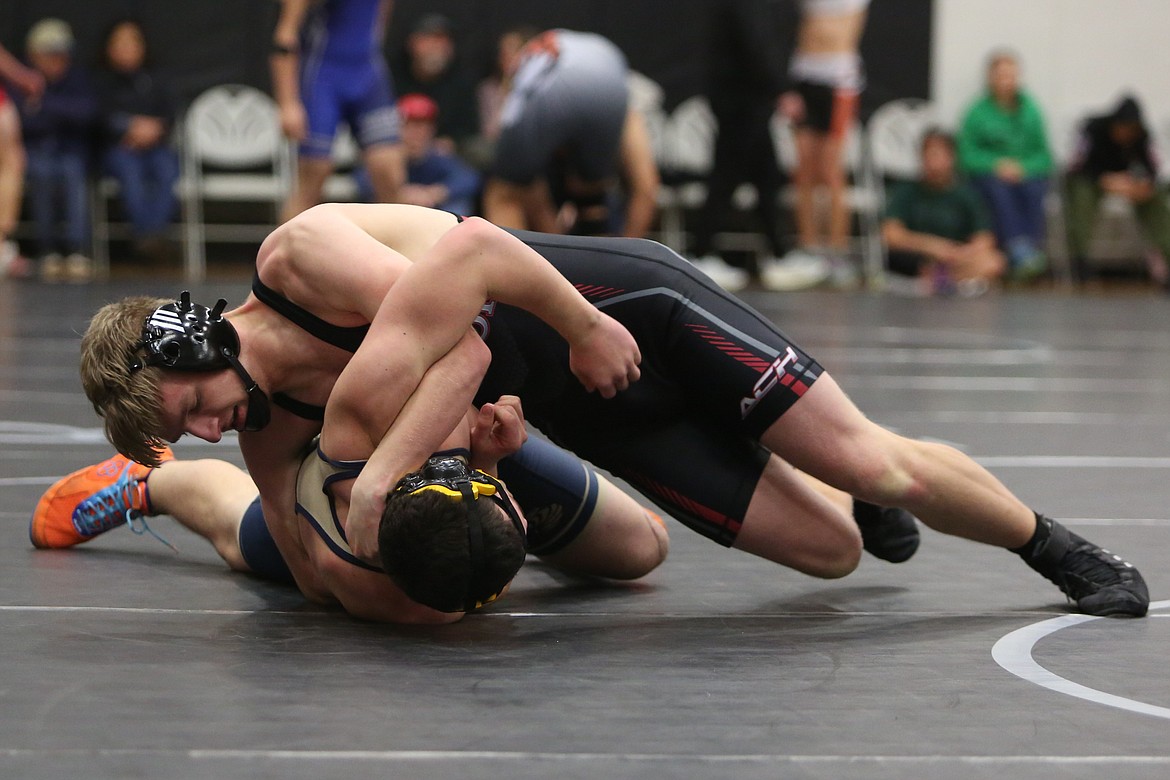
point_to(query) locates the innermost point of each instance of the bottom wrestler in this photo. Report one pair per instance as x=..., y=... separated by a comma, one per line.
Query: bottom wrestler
x=574, y=518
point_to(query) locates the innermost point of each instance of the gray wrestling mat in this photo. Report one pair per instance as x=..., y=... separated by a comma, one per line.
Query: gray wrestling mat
x=122, y=659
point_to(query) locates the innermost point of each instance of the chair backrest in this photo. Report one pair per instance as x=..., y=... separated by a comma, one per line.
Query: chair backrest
x=688, y=138
x=894, y=135
x=233, y=126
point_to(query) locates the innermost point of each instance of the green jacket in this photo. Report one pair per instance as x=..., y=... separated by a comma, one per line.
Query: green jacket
x=990, y=134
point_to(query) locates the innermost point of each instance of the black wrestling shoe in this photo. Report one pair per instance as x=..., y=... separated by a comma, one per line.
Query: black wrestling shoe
x=887, y=533
x=1100, y=582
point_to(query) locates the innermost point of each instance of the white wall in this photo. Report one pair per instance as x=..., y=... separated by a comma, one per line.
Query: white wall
x=1078, y=56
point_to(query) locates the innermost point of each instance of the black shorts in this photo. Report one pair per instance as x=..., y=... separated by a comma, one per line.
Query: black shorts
x=715, y=375
x=827, y=110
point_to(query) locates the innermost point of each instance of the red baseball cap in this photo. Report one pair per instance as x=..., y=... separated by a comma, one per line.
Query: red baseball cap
x=417, y=107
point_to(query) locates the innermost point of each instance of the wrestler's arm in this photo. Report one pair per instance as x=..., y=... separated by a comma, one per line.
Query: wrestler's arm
x=419, y=419
x=640, y=173
x=369, y=595
x=445, y=289
x=273, y=458
x=284, y=65
x=342, y=259
x=24, y=78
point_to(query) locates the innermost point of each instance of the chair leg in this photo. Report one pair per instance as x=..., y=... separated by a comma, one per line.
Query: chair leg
x=194, y=260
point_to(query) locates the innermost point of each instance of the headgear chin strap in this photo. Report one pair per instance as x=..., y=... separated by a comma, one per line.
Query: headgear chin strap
x=187, y=336
x=451, y=477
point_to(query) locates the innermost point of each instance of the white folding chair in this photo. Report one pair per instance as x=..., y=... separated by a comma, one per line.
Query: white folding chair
x=233, y=150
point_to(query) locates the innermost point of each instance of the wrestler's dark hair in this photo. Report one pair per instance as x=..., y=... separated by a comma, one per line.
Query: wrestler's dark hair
x=423, y=545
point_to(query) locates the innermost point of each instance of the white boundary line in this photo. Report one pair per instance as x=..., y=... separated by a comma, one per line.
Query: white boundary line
x=1014, y=653
x=634, y=615
x=214, y=754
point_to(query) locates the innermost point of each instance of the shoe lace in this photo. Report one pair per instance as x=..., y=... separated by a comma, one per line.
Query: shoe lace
x=1093, y=567
x=112, y=506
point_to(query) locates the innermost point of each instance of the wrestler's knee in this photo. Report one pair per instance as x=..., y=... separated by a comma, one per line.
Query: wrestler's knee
x=644, y=547
x=836, y=559
x=621, y=543
x=819, y=545
x=652, y=547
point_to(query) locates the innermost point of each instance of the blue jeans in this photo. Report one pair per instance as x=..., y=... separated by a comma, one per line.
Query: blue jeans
x=57, y=182
x=147, y=180
x=1016, y=209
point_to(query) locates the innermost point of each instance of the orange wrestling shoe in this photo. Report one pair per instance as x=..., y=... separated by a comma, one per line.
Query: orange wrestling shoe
x=91, y=501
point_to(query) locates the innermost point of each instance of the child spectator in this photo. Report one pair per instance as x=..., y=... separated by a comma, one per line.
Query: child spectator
x=57, y=128
x=434, y=177
x=936, y=229
x=1003, y=146
x=138, y=114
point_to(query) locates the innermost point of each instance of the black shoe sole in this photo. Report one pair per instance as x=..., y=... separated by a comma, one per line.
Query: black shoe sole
x=1115, y=602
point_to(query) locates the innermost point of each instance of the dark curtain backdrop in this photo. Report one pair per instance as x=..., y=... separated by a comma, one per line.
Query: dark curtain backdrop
x=208, y=42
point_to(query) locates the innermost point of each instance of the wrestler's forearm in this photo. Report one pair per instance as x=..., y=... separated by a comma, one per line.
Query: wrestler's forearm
x=284, y=62
x=477, y=261
x=285, y=87
x=640, y=174
x=419, y=430
x=429, y=415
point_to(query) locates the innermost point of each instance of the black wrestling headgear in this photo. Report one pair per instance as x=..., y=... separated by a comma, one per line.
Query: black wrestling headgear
x=451, y=477
x=187, y=336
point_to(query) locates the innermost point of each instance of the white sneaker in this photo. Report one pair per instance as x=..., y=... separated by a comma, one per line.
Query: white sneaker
x=52, y=267
x=972, y=288
x=78, y=268
x=797, y=270
x=726, y=276
x=13, y=265
x=844, y=273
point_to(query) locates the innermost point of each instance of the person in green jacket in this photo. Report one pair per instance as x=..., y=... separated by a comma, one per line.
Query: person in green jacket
x=1003, y=148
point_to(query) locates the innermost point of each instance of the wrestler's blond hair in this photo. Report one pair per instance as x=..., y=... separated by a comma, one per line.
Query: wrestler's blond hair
x=128, y=401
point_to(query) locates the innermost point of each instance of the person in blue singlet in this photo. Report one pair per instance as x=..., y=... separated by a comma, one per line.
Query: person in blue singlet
x=327, y=69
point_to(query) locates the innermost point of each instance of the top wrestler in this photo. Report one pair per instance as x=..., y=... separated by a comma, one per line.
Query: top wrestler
x=723, y=394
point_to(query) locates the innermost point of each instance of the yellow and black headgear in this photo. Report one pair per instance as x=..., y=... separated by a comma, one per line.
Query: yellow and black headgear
x=452, y=478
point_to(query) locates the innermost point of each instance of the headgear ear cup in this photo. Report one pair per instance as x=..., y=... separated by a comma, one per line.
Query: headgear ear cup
x=187, y=336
